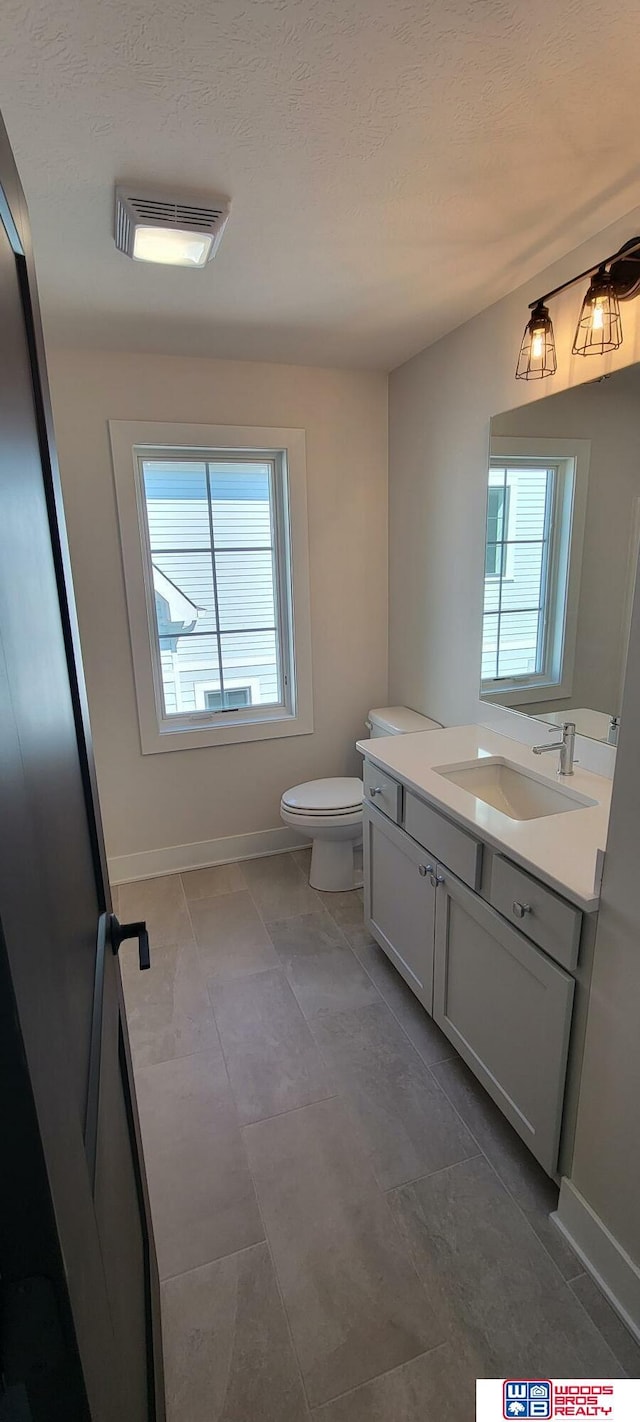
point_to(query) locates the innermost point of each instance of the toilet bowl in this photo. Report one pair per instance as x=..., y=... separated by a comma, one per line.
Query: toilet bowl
x=329, y=812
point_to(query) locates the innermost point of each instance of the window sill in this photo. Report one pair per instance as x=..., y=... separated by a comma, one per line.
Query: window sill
x=179, y=738
x=525, y=695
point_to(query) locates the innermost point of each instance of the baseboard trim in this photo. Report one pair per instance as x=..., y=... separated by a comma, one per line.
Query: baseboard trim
x=150, y=863
x=604, y=1259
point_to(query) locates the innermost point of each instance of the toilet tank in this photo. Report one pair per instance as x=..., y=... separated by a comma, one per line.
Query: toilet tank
x=398, y=721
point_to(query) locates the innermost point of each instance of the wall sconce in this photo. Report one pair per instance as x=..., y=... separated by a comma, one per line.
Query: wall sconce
x=538, y=350
x=599, y=326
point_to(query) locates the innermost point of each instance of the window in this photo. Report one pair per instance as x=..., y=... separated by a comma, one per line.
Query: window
x=215, y=536
x=229, y=700
x=219, y=620
x=533, y=550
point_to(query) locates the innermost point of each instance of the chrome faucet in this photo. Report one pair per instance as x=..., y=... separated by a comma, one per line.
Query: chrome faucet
x=566, y=747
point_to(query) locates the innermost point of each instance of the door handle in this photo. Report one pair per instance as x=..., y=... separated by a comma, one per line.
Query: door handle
x=118, y=932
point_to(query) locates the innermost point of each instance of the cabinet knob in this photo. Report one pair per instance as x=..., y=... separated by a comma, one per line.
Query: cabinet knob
x=375, y=790
x=437, y=879
x=424, y=869
x=521, y=909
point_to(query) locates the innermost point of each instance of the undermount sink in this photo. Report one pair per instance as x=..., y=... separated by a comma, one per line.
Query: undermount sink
x=518, y=793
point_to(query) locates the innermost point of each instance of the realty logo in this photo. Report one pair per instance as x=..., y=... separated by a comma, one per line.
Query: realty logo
x=525, y=1399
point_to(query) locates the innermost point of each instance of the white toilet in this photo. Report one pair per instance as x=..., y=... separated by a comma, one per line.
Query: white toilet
x=329, y=812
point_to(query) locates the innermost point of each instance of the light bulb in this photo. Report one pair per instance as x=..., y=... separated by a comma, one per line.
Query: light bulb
x=537, y=345
x=597, y=320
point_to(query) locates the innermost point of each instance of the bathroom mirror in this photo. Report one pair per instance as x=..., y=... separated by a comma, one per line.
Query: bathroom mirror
x=561, y=548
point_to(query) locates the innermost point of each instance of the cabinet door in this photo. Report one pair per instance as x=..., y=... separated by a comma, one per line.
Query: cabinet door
x=507, y=1009
x=400, y=901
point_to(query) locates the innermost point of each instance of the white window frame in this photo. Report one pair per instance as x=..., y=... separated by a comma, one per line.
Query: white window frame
x=285, y=448
x=571, y=459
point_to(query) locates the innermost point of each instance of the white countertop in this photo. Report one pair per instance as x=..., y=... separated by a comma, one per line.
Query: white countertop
x=559, y=849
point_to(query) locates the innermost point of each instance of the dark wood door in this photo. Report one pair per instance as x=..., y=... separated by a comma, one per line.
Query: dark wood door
x=77, y=1261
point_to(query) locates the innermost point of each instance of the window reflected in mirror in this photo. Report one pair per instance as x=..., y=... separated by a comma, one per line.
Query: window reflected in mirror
x=521, y=524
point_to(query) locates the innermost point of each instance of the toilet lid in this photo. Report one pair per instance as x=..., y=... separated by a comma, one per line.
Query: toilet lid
x=338, y=793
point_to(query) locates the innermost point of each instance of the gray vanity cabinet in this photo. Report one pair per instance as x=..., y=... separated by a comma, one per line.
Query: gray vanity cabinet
x=400, y=899
x=506, y=1007
x=505, y=1002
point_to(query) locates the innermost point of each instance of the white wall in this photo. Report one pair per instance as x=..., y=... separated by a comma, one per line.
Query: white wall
x=440, y=406
x=185, y=797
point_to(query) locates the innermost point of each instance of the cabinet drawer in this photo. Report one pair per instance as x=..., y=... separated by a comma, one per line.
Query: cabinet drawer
x=537, y=911
x=452, y=846
x=382, y=791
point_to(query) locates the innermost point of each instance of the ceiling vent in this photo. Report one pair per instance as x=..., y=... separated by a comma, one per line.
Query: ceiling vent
x=174, y=231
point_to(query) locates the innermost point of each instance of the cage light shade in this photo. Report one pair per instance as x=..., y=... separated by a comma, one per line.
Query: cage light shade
x=599, y=327
x=538, y=350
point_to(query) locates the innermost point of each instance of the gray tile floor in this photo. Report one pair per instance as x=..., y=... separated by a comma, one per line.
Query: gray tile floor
x=347, y=1229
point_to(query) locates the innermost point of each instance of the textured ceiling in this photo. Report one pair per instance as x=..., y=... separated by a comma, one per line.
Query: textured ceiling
x=394, y=165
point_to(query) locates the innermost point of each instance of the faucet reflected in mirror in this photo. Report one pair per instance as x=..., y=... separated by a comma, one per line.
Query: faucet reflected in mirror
x=561, y=548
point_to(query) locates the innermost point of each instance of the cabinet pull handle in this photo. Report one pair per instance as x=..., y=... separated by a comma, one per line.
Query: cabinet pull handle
x=436, y=879
x=375, y=790
x=424, y=869
x=521, y=909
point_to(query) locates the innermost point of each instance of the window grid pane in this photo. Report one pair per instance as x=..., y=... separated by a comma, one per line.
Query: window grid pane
x=517, y=565
x=212, y=538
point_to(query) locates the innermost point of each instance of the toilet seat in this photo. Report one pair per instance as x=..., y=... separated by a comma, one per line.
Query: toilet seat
x=333, y=797
x=321, y=814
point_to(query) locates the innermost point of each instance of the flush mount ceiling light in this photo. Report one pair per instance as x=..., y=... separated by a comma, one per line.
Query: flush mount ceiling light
x=599, y=326
x=176, y=232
